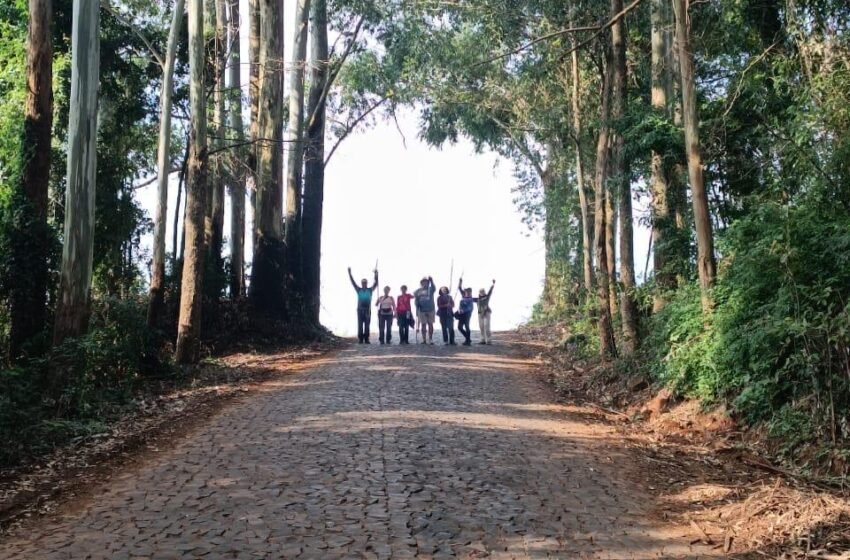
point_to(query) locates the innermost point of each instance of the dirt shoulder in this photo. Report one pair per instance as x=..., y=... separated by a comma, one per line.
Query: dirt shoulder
x=701, y=469
x=159, y=419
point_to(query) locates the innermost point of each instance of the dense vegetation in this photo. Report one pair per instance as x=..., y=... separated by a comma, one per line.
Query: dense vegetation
x=729, y=121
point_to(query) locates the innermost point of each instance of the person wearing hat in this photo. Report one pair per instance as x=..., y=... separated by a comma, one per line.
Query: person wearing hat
x=484, y=311
x=364, y=306
x=425, y=308
x=464, y=313
x=445, y=310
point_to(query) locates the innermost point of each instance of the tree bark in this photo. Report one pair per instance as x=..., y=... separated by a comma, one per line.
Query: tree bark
x=607, y=346
x=237, y=187
x=706, y=266
x=157, y=295
x=611, y=232
x=215, y=223
x=295, y=147
x=267, y=281
x=584, y=204
x=191, y=294
x=619, y=170
x=659, y=183
x=72, y=309
x=314, y=164
x=254, y=94
x=28, y=300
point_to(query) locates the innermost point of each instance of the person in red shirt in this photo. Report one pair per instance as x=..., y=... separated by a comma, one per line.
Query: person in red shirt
x=404, y=315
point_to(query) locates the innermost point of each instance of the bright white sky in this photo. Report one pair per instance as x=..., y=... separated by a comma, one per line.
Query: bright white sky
x=416, y=209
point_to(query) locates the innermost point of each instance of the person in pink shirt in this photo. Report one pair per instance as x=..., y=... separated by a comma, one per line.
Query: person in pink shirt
x=404, y=315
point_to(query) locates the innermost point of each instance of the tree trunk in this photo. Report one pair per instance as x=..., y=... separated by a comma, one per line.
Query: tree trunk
x=295, y=147
x=157, y=295
x=215, y=223
x=607, y=346
x=661, y=218
x=72, y=308
x=611, y=232
x=619, y=170
x=191, y=294
x=28, y=300
x=702, y=216
x=254, y=94
x=267, y=280
x=237, y=187
x=314, y=164
x=584, y=204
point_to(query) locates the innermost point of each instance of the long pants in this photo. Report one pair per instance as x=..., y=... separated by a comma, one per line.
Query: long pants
x=448, y=325
x=463, y=326
x=364, y=321
x=385, y=325
x=404, y=327
x=484, y=325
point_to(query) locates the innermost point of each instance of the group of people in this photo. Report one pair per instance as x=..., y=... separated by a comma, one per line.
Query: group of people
x=401, y=310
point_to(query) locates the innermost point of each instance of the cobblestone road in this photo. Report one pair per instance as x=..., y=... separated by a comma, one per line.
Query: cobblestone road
x=376, y=452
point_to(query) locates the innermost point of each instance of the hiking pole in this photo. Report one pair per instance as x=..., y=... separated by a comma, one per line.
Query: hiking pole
x=452, y=274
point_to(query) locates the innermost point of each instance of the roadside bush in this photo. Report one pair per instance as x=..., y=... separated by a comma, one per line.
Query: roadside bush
x=779, y=338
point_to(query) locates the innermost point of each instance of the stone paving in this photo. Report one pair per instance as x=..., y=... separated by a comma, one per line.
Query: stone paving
x=376, y=452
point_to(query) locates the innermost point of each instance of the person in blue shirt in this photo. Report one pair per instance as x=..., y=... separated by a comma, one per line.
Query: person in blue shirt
x=464, y=313
x=364, y=306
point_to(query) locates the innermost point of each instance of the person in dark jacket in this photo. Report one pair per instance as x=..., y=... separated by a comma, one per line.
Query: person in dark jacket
x=364, y=306
x=445, y=311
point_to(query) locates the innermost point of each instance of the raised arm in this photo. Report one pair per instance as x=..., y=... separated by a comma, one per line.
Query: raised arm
x=351, y=277
x=460, y=285
x=431, y=286
x=490, y=293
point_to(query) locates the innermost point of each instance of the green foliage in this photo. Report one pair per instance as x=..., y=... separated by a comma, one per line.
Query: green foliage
x=105, y=369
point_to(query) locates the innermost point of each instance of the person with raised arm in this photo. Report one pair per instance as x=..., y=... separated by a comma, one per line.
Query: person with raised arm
x=464, y=313
x=484, y=311
x=425, y=308
x=386, y=312
x=364, y=306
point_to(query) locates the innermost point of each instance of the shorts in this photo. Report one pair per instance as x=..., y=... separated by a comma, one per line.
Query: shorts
x=426, y=317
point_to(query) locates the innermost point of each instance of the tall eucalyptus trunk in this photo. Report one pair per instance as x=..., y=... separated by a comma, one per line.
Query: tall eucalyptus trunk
x=28, y=300
x=620, y=173
x=314, y=161
x=584, y=203
x=191, y=294
x=607, y=346
x=295, y=148
x=662, y=222
x=237, y=186
x=163, y=159
x=215, y=220
x=254, y=95
x=706, y=266
x=73, y=304
x=267, y=279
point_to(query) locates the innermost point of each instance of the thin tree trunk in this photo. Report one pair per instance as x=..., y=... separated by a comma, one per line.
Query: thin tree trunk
x=28, y=300
x=191, y=293
x=72, y=311
x=254, y=94
x=584, y=203
x=619, y=170
x=702, y=217
x=611, y=232
x=607, y=345
x=267, y=279
x=237, y=187
x=157, y=289
x=314, y=165
x=178, y=251
x=295, y=146
x=661, y=220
